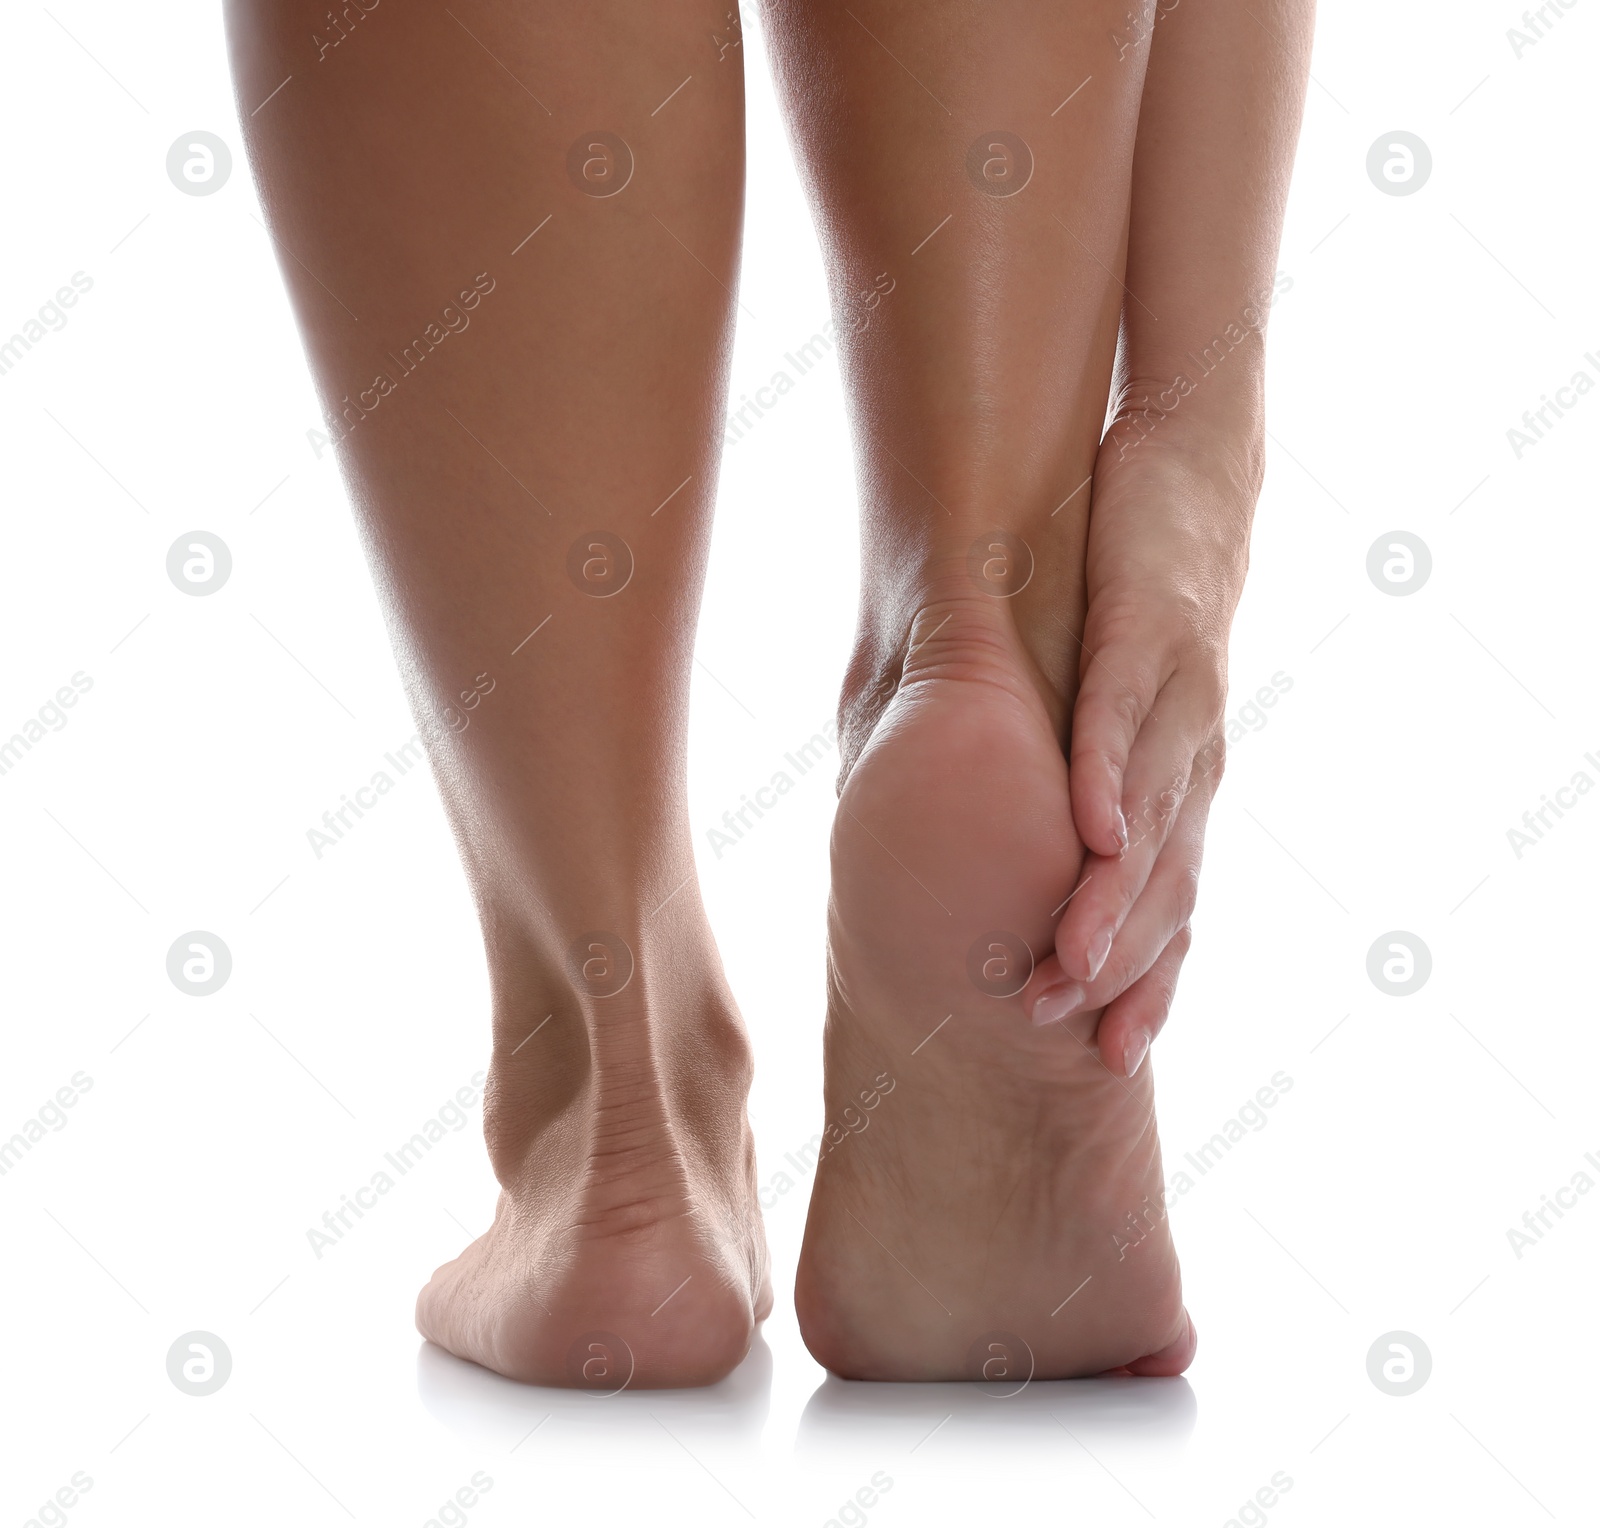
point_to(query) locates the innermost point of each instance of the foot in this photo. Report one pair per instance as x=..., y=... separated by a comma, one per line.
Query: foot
x=989, y=1202
x=627, y=1249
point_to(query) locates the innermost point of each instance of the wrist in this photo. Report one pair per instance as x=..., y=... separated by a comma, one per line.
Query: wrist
x=1216, y=425
x=1169, y=533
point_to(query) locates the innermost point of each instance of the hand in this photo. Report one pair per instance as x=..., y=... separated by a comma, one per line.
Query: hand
x=1168, y=546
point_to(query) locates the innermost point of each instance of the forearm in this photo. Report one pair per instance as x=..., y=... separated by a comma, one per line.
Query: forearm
x=1218, y=124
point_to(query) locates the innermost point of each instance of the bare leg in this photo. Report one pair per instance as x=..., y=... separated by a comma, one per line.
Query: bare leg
x=534, y=474
x=984, y=1181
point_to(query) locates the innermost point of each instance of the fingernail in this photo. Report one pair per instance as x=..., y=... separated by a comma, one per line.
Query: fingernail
x=1121, y=826
x=1136, y=1048
x=1099, y=948
x=1053, y=1006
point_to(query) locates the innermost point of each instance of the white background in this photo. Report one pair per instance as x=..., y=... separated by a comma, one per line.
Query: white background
x=1377, y=797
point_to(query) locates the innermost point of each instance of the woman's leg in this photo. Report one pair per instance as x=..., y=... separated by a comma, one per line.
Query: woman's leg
x=512, y=258
x=990, y=1192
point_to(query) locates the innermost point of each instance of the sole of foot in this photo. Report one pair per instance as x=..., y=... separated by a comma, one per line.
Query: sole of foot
x=988, y=1201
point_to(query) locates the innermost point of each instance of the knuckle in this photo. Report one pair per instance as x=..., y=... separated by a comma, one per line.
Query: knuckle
x=1188, y=894
x=1111, y=706
x=1121, y=972
x=1122, y=897
x=1211, y=761
x=1121, y=653
x=1151, y=819
x=1101, y=752
x=1117, y=616
x=1199, y=641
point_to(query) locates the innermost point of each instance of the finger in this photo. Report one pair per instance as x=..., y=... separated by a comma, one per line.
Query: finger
x=1052, y=996
x=1158, y=917
x=1129, y=1025
x=1157, y=785
x=1120, y=679
x=1132, y=1021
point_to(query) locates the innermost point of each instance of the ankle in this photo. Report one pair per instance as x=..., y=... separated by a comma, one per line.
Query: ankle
x=945, y=623
x=614, y=1021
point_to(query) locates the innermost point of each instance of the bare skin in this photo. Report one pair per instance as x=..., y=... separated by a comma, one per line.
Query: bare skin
x=586, y=387
x=1009, y=1189
x=986, y=1184
x=1175, y=487
x=534, y=485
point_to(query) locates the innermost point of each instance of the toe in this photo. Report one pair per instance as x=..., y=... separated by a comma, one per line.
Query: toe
x=1172, y=1359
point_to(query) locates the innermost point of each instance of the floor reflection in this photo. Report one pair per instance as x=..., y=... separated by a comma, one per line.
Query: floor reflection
x=724, y=1420
x=974, y=1423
